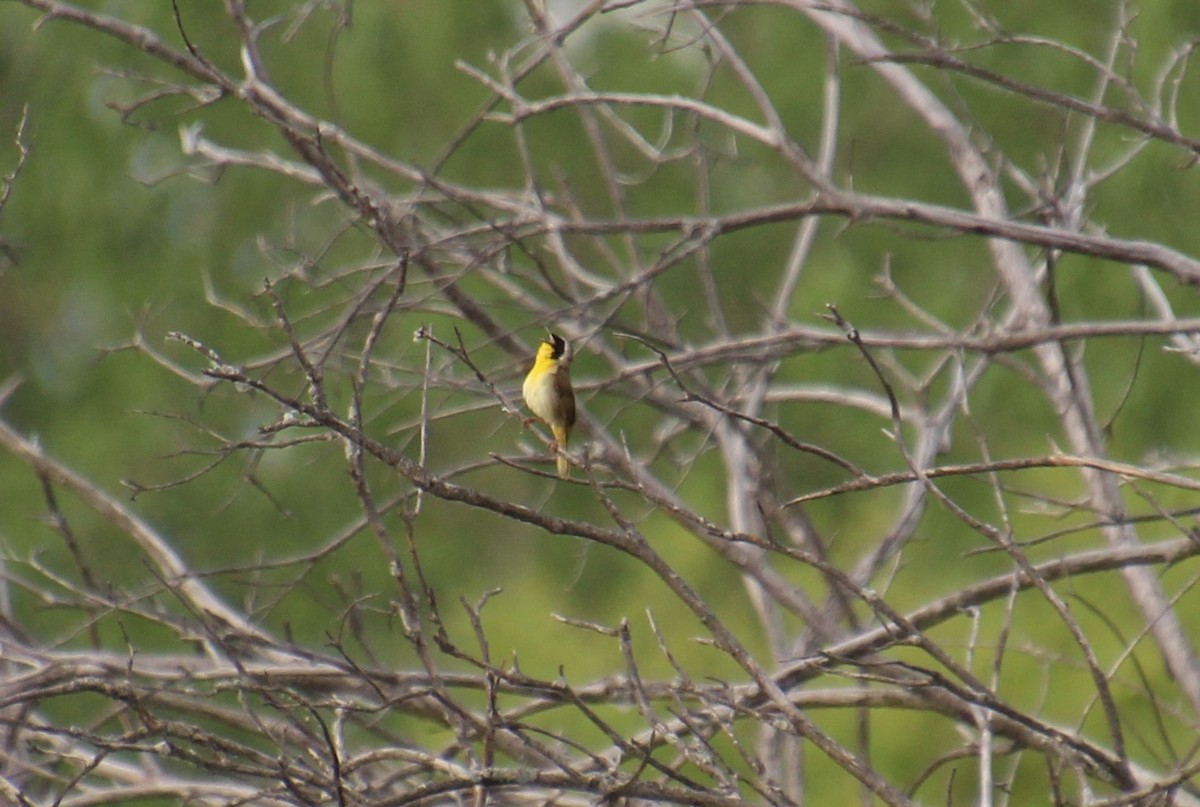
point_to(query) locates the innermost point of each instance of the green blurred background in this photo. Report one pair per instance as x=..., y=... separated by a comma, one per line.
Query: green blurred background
x=116, y=234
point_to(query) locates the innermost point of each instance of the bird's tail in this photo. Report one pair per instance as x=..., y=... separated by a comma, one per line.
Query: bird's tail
x=564, y=466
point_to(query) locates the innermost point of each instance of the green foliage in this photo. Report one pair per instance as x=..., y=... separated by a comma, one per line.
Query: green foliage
x=121, y=239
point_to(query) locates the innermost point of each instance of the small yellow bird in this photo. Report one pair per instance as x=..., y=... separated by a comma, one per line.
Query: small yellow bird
x=548, y=394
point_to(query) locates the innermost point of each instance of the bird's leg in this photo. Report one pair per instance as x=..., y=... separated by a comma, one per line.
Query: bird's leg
x=527, y=422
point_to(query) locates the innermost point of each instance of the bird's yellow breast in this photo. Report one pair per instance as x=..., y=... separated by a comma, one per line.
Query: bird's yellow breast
x=540, y=392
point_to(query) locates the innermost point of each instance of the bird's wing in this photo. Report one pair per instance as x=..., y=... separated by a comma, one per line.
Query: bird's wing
x=566, y=396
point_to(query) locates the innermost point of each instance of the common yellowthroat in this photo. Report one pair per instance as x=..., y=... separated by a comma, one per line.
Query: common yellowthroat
x=548, y=393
